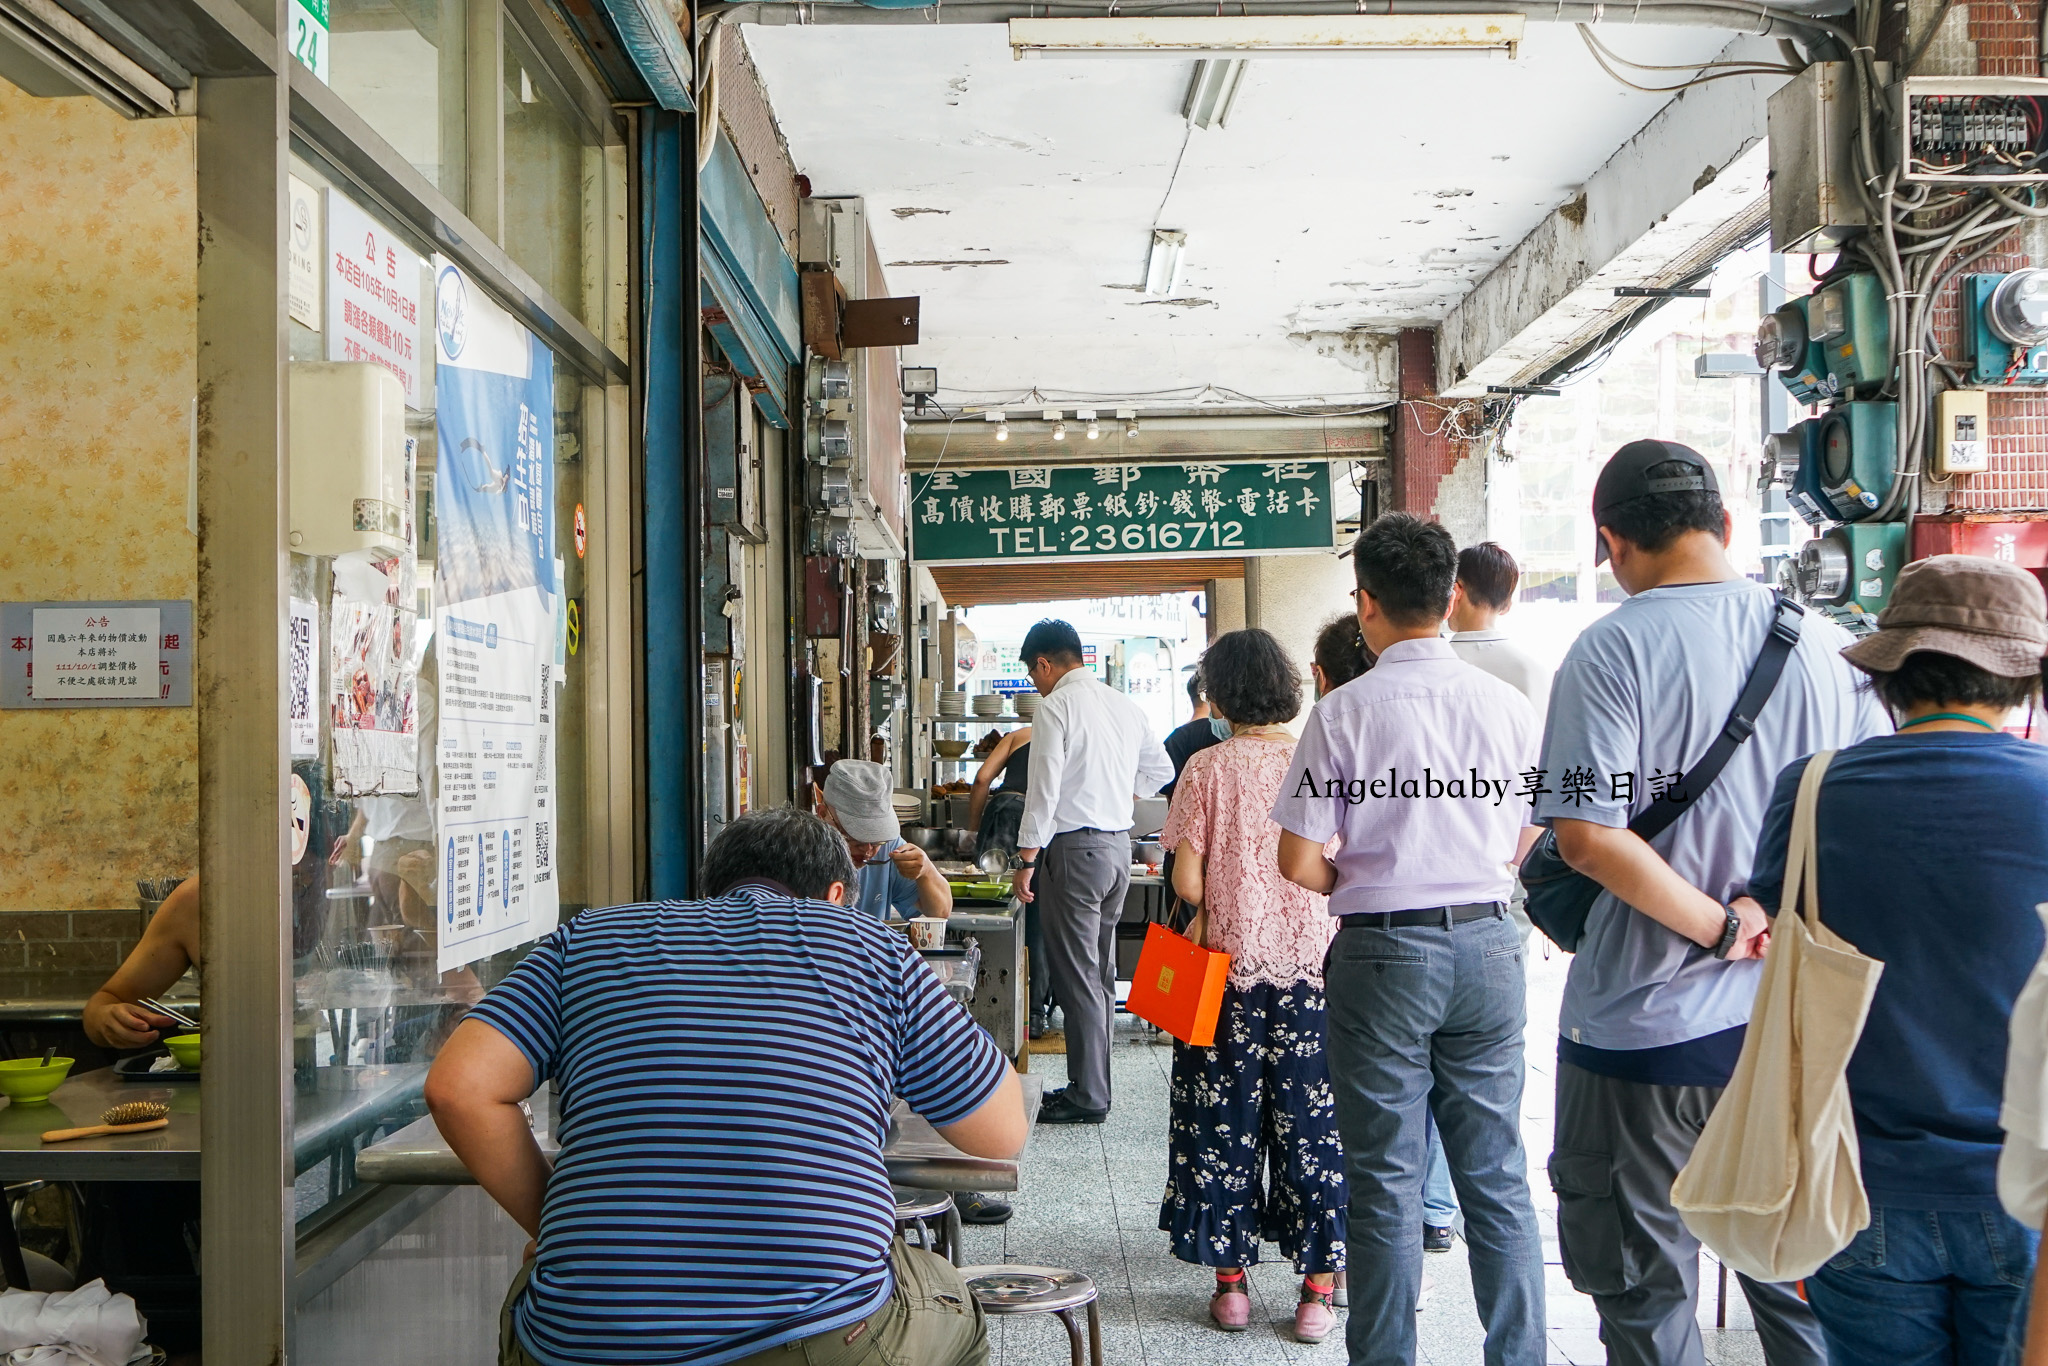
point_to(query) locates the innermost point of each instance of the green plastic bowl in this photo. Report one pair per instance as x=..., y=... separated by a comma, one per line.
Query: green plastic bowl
x=185, y=1048
x=25, y=1081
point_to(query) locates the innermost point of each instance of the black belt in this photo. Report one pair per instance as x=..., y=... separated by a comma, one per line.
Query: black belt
x=1445, y=916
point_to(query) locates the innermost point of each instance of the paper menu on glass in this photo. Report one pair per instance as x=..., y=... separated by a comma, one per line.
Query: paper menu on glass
x=495, y=624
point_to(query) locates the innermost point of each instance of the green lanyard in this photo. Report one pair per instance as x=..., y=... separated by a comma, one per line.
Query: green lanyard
x=1947, y=716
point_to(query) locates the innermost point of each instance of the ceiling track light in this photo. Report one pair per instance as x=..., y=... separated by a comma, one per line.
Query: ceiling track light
x=1087, y=415
x=1001, y=420
x=1059, y=431
x=1058, y=421
x=1129, y=417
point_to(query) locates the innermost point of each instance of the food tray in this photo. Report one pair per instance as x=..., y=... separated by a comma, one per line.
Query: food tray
x=137, y=1069
x=982, y=891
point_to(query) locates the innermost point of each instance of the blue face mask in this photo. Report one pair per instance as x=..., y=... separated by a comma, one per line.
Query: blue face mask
x=1219, y=727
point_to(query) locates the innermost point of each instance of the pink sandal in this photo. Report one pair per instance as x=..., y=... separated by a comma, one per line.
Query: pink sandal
x=1230, y=1307
x=1313, y=1317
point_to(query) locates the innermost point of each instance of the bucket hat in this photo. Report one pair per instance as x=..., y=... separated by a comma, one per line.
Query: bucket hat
x=859, y=793
x=1986, y=612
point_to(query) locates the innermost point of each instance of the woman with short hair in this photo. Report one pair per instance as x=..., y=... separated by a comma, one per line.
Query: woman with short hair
x=1254, y=1149
x=1932, y=848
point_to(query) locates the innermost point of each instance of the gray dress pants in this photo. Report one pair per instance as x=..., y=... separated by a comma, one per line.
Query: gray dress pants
x=1082, y=878
x=1619, y=1147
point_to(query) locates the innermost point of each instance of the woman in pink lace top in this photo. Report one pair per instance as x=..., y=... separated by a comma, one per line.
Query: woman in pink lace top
x=1254, y=1148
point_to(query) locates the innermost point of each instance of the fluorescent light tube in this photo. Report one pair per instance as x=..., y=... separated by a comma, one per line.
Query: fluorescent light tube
x=1277, y=35
x=1212, y=93
x=1162, y=267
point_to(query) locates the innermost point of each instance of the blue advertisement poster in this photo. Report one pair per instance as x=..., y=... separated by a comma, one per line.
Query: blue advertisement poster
x=495, y=623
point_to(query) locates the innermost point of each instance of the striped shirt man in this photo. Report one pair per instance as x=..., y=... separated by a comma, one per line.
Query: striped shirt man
x=724, y=1071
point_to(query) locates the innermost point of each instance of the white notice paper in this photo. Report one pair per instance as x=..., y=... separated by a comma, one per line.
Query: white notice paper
x=100, y=652
x=373, y=295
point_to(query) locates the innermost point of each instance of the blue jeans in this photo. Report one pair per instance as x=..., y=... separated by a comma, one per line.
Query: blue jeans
x=1439, y=1200
x=1924, y=1288
x=1422, y=1020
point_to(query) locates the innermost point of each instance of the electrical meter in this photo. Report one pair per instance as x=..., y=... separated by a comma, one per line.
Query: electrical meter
x=2008, y=326
x=1856, y=449
x=1783, y=348
x=1852, y=567
x=1796, y=467
x=1851, y=324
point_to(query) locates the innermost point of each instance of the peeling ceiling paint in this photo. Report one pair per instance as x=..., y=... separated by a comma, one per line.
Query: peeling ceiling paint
x=1346, y=196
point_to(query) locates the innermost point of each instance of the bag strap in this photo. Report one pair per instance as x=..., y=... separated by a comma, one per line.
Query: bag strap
x=1802, y=851
x=1786, y=623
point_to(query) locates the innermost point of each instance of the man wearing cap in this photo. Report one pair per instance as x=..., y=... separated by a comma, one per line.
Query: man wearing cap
x=895, y=875
x=1932, y=853
x=1660, y=990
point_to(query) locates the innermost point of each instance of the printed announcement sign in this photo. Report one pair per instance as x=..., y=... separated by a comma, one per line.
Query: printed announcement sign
x=373, y=296
x=104, y=652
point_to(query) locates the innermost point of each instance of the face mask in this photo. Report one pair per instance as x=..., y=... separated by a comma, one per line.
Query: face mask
x=1219, y=728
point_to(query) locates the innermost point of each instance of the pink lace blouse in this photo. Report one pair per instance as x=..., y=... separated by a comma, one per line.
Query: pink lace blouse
x=1274, y=931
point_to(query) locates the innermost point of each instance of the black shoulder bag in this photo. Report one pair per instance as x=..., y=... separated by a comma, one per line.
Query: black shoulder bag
x=1561, y=897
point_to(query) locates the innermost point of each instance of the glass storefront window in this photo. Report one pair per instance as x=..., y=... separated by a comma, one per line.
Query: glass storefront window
x=558, y=187
x=400, y=64
x=374, y=995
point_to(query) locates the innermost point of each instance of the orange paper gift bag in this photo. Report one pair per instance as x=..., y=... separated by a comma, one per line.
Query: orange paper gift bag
x=1179, y=987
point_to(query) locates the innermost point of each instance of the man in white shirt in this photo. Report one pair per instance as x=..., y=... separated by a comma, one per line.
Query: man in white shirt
x=1092, y=751
x=1487, y=577
x=1415, y=764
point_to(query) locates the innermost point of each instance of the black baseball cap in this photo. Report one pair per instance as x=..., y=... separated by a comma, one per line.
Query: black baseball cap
x=1626, y=476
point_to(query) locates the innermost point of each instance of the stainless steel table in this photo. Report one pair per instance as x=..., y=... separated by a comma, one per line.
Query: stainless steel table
x=170, y=1154
x=915, y=1155
x=60, y=997
x=999, y=999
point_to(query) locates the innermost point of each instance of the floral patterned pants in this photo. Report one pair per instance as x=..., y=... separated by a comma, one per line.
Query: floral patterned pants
x=1254, y=1150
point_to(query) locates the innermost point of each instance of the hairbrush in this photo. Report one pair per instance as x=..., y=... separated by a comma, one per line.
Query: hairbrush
x=131, y=1117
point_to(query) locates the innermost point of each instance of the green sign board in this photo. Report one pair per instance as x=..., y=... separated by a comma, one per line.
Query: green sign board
x=1126, y=512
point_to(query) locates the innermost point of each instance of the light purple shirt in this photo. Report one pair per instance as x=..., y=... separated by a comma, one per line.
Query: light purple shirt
x=1417, y=764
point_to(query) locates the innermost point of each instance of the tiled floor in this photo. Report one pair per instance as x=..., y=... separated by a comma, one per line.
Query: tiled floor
x=1091, y=1202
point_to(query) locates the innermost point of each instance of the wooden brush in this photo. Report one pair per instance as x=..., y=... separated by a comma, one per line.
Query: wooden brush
x=134, y=1117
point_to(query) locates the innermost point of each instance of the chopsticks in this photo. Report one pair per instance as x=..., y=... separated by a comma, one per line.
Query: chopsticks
x=151, y=1003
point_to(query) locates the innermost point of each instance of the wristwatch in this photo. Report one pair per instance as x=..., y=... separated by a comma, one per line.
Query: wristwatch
x=1730, y=932
x=1027, y=863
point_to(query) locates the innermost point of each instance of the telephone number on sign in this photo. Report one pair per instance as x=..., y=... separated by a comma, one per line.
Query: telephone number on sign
x=1079, y=540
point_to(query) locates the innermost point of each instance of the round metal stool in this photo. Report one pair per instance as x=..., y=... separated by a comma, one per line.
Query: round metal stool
x=917, y=1210
x=1008, y=1290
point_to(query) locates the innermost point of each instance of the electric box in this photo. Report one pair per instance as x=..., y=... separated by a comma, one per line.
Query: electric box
x=1812, y=121
x=1784, y=348
x=1962, y=422
x=1983, y=130
x=2005, y=327
x=1852, y=567
x=1856, y=450
x=1850, y=322
x=351, y=468
x=1797, y=455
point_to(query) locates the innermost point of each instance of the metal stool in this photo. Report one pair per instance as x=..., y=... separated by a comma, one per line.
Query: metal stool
x=1008, y=1290
x=915, y=1209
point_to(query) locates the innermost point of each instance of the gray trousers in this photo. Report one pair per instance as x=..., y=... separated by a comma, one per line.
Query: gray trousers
x=1619, y=1147
x=1082, y=878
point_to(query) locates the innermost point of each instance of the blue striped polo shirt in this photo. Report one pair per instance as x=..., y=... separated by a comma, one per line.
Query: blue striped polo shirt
x=724, y=1071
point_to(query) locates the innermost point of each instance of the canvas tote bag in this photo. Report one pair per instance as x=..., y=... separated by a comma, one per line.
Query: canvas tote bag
x=1775, y=1185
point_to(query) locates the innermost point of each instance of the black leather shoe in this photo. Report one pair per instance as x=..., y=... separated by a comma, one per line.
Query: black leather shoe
x=1058, y=1109
x=979, y=1207
x=1435, y=1239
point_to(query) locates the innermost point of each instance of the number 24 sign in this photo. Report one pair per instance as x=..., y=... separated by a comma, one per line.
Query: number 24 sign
x=309, y=36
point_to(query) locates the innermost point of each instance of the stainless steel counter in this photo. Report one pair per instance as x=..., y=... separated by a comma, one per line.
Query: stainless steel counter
x=916, y=1155
x=60, y=997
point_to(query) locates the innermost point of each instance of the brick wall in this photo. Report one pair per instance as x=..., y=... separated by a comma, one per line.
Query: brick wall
x=749, y=123
x=1422, y=454
x=64, y=941
x=2006, y=35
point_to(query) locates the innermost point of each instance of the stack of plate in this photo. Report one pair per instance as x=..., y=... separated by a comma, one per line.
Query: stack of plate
x=988, y=704
x=952, y=705
x=1026, y=704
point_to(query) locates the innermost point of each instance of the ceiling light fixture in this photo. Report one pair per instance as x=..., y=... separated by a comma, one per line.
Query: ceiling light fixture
x=1059, y=431
x=1002, y=421
x=1212, y=93
x=1087, y=415
x=1059, y=426
x=1129, y=417
x=1162, y=266
x=1269, y=35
